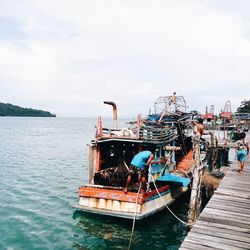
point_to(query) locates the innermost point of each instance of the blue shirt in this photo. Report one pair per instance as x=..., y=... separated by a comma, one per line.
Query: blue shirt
x=140, y=160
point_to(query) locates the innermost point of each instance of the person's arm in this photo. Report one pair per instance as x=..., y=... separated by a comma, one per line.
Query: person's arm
x=209, y=133
x=194, y=123
x=247, y=148
x=151, y=157
x=236, y=148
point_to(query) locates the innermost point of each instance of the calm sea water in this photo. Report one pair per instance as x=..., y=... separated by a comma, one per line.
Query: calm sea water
x=42, y=163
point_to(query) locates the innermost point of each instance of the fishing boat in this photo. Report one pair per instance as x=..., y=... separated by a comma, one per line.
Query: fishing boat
x=167, y=133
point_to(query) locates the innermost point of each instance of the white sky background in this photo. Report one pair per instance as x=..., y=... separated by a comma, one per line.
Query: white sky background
x=68, y=56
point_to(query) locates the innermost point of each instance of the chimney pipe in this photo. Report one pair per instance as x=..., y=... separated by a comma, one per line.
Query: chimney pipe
x=114, y=112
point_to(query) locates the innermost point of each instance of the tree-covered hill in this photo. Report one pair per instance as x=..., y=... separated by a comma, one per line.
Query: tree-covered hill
x=7, y=109
x=244, y=107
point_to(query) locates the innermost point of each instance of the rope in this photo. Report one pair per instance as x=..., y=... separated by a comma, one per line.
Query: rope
x=133, y=226
x=125, y=164
x=185, y=223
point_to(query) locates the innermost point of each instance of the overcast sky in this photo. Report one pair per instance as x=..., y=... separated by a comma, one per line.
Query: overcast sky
x=68, y=56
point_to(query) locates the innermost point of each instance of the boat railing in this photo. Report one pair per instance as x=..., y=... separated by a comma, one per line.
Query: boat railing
x=150, y=133
x=124, y=132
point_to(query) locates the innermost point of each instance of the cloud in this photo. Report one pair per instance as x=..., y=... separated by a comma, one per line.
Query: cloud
x=69, y=56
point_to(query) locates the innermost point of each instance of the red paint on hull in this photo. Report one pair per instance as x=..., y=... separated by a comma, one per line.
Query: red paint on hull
x=103, y=193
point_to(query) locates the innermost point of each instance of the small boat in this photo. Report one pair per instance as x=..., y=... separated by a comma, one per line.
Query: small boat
x=167, y=133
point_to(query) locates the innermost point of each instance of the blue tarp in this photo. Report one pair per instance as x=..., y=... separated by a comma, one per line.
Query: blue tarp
x=175, y=178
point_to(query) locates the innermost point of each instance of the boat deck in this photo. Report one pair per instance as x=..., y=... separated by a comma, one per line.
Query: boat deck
x=225, y=222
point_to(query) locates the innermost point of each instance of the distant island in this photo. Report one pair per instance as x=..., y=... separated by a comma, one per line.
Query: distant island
x=7, y=109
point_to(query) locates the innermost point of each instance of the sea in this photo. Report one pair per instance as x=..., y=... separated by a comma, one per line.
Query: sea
x=43, y=161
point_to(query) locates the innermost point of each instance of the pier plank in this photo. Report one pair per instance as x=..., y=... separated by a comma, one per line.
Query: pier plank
x=234, y=207
x=229, y=205
x=224, y=220
x=233, y=193
x=228, y=198
x=192, y=246
x=213, y=242
x=235, y=231
x=218, y=240
x=232, y=186
x=218, y=212
x=235, y=178
x=223, y=226
x=222, y=233
x=235, y=182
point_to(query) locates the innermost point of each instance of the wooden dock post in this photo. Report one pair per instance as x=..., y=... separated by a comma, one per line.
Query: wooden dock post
x=194, y=204
x=214, y=151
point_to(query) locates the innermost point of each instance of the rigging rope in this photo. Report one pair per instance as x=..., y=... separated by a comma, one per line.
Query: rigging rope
x=133, y=226
x=185, y=223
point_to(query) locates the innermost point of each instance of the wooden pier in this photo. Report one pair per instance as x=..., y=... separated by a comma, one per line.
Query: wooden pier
x=225, y=222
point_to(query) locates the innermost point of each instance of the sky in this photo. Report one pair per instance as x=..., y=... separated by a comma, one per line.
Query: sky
x=68, y=56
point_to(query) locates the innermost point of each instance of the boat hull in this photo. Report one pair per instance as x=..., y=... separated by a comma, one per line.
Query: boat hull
x=118, y=204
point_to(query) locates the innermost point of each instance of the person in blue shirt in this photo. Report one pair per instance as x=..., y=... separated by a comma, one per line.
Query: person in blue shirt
x=242, y=148
x=140, y=164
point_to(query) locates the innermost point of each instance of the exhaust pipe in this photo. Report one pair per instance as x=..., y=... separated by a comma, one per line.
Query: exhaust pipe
x=114, y=112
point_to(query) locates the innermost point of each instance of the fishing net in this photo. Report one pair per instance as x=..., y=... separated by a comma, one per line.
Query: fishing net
x=116, y=176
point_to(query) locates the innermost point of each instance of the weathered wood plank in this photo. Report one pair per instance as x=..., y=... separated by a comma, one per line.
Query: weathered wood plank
x=229, y=203
x=225, y=197
x=232, y=193
x=239, y=176
x=233, y=244
x=229, y=230
x=231, y=183
x=230, y=214
x=196, y=239
x=223, y=226
x=238, y=188
x=234, y=183
x=234, y=186
x=234, y=207
x=222, y=233
x=230, y=206
x=219, y=212
x=224, y=220
x=234, y=179
x=192, y=246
